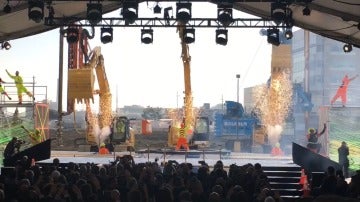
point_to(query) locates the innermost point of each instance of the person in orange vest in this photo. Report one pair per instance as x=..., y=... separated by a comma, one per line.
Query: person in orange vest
x=182, y=141
x=342, y=90
x=103, y=150
x=276, y=151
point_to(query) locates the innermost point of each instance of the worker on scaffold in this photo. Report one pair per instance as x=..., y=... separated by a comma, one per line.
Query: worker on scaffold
x=20, y=86
x=182, y=140
x=2, y=90
x=35, y=135
x=342, y=90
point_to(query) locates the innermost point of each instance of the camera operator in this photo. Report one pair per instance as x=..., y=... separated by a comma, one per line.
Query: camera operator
x=12, y=147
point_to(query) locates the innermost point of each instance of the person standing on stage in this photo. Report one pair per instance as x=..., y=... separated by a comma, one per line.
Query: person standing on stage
x=182, y=141
x=313, y=137
x=20, y=86
x=343, y=152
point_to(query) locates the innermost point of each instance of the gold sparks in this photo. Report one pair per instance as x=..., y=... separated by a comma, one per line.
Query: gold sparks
x=274, y=103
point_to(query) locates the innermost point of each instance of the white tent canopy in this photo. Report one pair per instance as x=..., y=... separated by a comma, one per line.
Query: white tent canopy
x=336, y=19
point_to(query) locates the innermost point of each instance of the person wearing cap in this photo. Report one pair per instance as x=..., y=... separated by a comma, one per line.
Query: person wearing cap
x=313, y=137
x=103, y=150
x=20, y=86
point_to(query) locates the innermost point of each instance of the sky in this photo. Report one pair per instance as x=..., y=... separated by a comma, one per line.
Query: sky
x=152, y=75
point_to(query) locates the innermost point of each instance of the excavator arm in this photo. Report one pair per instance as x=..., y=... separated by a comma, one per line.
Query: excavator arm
x=186, y=58
x=81, y=82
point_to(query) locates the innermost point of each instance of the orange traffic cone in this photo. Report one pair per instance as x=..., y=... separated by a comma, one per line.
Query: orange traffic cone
x=302, y=177
x=306, y=188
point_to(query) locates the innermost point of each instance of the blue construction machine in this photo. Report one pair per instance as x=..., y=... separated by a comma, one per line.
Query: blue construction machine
x=234, y=125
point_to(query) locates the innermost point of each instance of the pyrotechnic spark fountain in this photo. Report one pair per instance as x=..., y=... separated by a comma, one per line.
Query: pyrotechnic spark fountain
x=273, y=104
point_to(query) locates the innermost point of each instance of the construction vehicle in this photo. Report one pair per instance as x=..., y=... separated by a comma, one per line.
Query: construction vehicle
x=197, y=133
x=81, y=83
x=233, y=125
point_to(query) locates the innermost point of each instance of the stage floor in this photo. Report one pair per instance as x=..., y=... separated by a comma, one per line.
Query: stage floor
x=227, y=158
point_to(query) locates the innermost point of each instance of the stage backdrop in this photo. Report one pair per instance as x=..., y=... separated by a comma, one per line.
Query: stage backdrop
x=344, y=126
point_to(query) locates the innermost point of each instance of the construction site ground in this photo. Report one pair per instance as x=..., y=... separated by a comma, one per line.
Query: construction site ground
x=72, y=139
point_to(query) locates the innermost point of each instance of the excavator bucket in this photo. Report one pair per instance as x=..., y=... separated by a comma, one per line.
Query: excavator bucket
x=81, y=84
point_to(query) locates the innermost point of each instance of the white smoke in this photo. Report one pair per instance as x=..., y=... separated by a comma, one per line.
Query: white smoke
x=274, y=134
x=101, y=134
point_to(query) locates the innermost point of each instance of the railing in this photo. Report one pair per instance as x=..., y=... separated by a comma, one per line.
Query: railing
x=39, y=92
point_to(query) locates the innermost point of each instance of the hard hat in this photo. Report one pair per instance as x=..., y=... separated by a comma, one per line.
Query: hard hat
x=102, y=145
x=311, y=130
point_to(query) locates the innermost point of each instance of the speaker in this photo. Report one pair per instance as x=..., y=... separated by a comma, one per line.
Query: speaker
x=8, y=172
x=94, y=148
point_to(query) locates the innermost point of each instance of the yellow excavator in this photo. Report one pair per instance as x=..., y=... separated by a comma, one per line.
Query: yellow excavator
x=197, y=127
x=81, y=87
x=187, y=118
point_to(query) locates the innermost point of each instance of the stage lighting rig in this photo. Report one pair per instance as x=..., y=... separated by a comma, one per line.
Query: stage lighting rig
x=72, y=35
x=147, y=35
x=347, y=48
x=94, y=13
x=224, y=14
x=36, y=10
x=130, y=11
x=106, y=35
x=5, y=45
x=183, y=12
x=273, y=36
x=189, y=35
x=221, y=36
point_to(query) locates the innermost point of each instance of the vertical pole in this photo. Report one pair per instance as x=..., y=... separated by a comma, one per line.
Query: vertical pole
x=60, y=87
x=306, y=72
x=237, y=118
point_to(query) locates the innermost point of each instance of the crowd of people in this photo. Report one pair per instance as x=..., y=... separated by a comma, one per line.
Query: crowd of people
x=125, y=181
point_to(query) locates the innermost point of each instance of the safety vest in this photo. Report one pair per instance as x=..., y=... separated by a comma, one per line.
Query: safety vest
x=182, y=132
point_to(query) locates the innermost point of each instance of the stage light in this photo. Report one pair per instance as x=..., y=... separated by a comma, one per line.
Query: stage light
x=189, y=35
x=94, y=13
x=347, y=48
x=224, y=14
x=5, y=45
x=130, y=12
x=183, y=12
x=106, y=35
x=273, y=36
x=36, y=10
x=147, y=35
x=72, y=35
x=157, y=8
x=288, y=34
x=7, y=8
x=306, y=11
x=278, y=12
x=221, y=36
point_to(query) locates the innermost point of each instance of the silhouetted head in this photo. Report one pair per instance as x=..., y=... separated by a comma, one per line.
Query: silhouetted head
x=17, y=73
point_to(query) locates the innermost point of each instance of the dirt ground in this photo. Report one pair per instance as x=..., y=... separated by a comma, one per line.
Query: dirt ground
x=72, y=139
